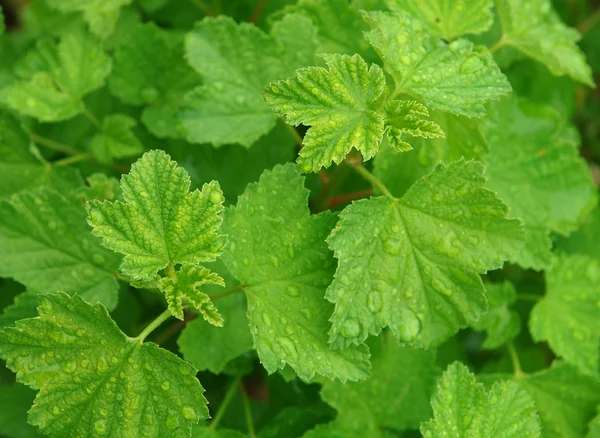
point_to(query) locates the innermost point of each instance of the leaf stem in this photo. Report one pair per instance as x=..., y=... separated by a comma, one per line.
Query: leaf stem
x=589, y=22
x=226, y=292
x=257, y=11
x=529, y=297
x=225, y=403
x=515, y=359
x=294, y=133
x=71, y=159
x=362, y=171
x=348, y=197
x=152, y=326
x=247, y=411
x=54, y=145
x=91, y=117
x=499, y=44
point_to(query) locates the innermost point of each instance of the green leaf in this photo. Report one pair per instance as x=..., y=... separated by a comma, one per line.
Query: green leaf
x=150, y=70
x=21, y=169
x=93, y=380
x=501, y=323
x=535, y=167
x=56, y=77
x=566, y=400
x=207, y=432
x=594, y=430
x=412, y=263
x=24, y=306
x=534, y=28
x=100, y=15
x=449, y=20
x=101, y=187
x=568, y=316
x=408, y=117
x=395, y=397
x=454, y=77
x=2, y=25
x=210, y=348
x=277, y=251
x=339, y=26
x=583, y=241
x=463, y=408
x=160, y=222
x=183, y=287
x=237, y=62
x=15, y=401
x=116, y=139
x=46, y=245
x=339, y=103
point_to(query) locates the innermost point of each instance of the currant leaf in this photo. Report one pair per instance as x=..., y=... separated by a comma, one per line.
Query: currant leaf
x=101, y=15
x=116, y=139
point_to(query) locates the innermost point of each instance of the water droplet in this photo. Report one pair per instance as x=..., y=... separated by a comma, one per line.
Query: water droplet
x=289, y=346
x=402, y=38
x=189, y=413
x=350, y=328
x=216, y=197
x=375, y=302
x=392, y=246
x=52, y=225
x=172, y=421
x=267, y=319
x=166, y=385
x=98, y=259
x=100, y=427
x=144, y=194
x=85, y=363
x=440, y=287
x=292, y=290
x=56, y=410
x=472, y=63
x=70, y=367
x=274, y=261
x=409, y=327
x=306, y=313
x=184, y=370
x=289, y=330
x=96, y=216
x=80, y=332
x=405, y=60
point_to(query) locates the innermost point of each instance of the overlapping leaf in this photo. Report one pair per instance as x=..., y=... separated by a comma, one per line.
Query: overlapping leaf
x=412, y=263
x=534, y=27
x=15, y=400
x=101, y=15
x=449, y=19
x=584, y=240
x=95, y=381
x=535, y=168
x=452, y=77
x=24, y=306
x=46, y=245
x=116, y=139
x=150, y=70
x=236, y=62
x=160, y=224
x=277, y=251
x=54, y=78
x=463, y=408
x=568, y=317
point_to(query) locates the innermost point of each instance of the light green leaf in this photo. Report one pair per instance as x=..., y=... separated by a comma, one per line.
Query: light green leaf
x=93, y=380
x=568, y=317
x=237, y=61
x=150, y=70
x=116, y=139
x=500, y=323
x=449, y=19
x=454, y=77
x=408, y=117
x=21, y=169
x=395, y=397
x=15, y=400
x=100, y=15
x=412, y=263
x=277, y=251
x=535, y=167
x=566, y=400
x=101, y=187
x=24, y=306
x=534, y=28
x=46, y=245
x=56, y=77
x=160, y=222
x=210, y=348
x=183, y=287
x=464, y=409
x=339, y=104
x=339, y=26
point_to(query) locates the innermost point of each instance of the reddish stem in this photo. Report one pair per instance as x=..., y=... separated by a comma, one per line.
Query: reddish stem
x=348, y=197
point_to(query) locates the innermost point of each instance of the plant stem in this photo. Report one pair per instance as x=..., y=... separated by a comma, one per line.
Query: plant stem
x=529, y=297
x=152, y=326
x=226, y=292
x=225, y=403
x=348, y=197
x=257, y=11
x=501, y=43
x=203, y=7
x=72, y=159
x=92, y=118
x=362, y=171
x=515, y=359
x=247, y=412
x=294, y=133
x=54, y=145
x=589, y=22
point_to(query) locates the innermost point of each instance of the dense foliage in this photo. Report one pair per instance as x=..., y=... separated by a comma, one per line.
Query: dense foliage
x=299, y=218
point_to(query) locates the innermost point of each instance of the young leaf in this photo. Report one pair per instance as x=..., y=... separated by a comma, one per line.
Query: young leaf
x=568, y=317
x=116, y=139
x=160, y=222
x=210, y=348
x=534, y=28
x=463, y=408
x=277, y=251
x=452, y=77
x=339, y=103
x=408, y=117
x=21, y=170
x=500, y=323
x=395, y=397
x=535, y=167
x=56, y=77
x=413, y=263
x=449, y=20
x=150, y=70
x=46, y=245
x=101, y=15
x=93, y=380
x=237, y=61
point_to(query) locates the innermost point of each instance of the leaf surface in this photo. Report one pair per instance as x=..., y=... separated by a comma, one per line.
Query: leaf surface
x=100, y=15
x=116, y=139
x=412, y=263
x=95, y=381
x=277, y=252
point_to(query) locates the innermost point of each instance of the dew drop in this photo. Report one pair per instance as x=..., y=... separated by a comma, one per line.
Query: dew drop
x=401, y=38
x=350, y=328
x=289, y=346
x=470, y=64
x=165, y=385
x=144, y=194
x=292, y=290
x=267, y=319
x=375, y=302
x=405, y=60
x=216, y=197
x=70, y=367
x=409, y=326
x=52, y=225
x=189, y=413
x=96, y=216
x=56, y=410
x=100, y=427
